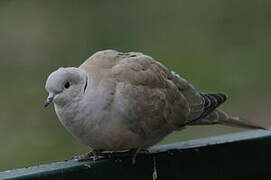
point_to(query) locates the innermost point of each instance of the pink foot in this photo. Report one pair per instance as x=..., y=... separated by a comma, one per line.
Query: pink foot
x=132, y=152
x=92, y=155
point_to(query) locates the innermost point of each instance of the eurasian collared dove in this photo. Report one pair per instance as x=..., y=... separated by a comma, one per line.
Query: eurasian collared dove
x=117, y=101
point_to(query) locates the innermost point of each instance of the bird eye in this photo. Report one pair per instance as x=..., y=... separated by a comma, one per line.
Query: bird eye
x=67, y=85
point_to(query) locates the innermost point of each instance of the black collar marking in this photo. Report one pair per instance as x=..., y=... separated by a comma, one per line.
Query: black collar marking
x=86, y=85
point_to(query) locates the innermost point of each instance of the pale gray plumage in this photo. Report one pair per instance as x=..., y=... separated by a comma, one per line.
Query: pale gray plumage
x=119, y=101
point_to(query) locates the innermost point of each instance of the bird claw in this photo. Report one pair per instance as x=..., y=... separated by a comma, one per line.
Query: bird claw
x=92, y=155
x=128, y=153
x=95, y=155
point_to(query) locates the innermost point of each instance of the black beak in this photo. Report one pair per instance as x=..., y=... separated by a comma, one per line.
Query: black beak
x=48, y=101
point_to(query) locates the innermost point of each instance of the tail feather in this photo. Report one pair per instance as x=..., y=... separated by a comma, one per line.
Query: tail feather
x=211, y=115
x=220, y=117
x=211, y=102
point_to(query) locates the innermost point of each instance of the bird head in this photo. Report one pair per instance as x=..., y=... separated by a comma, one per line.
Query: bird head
x=65, y=85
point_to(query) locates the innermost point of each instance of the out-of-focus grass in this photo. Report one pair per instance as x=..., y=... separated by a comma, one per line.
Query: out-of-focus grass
x=219, y=46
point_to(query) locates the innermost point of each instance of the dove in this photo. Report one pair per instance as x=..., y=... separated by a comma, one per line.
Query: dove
x=119, y=101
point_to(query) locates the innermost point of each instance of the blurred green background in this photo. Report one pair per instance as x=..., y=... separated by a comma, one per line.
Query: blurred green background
x=219, y=46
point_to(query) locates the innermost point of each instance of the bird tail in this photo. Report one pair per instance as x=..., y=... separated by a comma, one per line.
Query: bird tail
x=220, y=117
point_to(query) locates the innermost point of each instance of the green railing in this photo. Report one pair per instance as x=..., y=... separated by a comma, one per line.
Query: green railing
x=238, y=156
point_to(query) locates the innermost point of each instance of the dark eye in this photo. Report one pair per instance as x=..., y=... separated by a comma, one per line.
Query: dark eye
x=67, y=85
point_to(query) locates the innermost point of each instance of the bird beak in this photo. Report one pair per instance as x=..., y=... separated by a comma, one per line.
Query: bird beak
x=49, y=100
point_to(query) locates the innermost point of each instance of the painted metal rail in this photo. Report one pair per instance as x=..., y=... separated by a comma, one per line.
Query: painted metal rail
x=237, y=156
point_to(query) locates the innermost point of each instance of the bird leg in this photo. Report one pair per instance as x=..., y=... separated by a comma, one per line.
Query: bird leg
x=132, y=152
x=94, y=154
x=97, y=154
